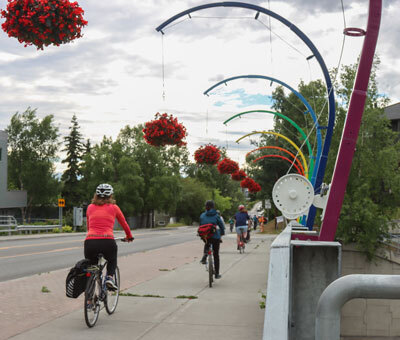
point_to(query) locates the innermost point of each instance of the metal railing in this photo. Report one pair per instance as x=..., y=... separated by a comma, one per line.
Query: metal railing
x=327, y=321
x=30, y=228
x=8, y=224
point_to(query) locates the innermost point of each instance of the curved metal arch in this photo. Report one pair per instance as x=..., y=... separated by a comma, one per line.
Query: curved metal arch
x=314, y=169
x=294, y=124
x=281, y=157
x=315, y=53
x=285, y=138
x=280, y=149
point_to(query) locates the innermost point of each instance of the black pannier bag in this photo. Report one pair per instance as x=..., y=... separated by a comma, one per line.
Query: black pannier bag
x=75, y=282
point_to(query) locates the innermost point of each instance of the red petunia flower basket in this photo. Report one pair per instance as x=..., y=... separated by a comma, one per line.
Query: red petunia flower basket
x=255, y=187
x=164, y=130
x=250, y=184
x=238, y=175
x=227, y=166
x=207, y=154
x=43, y=22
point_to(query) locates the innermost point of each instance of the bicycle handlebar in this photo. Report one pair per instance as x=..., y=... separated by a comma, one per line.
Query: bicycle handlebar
x=124, y=239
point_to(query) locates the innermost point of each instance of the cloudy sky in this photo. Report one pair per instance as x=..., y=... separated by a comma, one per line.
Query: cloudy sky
x=122, y=71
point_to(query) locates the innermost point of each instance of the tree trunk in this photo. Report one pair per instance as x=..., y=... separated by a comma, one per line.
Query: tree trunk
x=23, y=212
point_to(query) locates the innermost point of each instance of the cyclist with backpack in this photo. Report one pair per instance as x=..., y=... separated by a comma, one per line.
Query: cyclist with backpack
x=100, y=219
x=210, y=216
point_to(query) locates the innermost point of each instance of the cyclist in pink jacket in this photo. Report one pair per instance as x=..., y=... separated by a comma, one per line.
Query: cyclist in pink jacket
x=100, y=219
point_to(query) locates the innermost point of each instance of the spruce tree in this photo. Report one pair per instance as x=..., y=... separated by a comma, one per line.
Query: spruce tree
x=74, y=147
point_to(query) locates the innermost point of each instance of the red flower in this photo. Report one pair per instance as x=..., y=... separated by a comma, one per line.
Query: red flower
x=227, y=166
x=207, y=154
x=164, y=130
x=43, y=22
x=238, y=175
x=255, y=188
x=250, y=184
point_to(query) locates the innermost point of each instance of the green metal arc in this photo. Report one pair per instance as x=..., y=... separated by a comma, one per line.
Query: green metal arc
x=298, y=128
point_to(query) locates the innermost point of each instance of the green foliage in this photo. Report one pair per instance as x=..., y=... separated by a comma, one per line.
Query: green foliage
x=45, y=289
x=222, y=203
x=33, y=144
x=67, y=229
x=72, y=191
x=174, y=225
x=191, y=202
x=209, y=176
x=55, y=230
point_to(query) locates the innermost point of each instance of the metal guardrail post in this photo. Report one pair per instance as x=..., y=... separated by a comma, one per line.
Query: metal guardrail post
x=276, y=322
x=327, y=321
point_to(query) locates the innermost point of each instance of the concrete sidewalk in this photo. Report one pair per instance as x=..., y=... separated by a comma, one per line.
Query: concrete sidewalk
x=229, y=310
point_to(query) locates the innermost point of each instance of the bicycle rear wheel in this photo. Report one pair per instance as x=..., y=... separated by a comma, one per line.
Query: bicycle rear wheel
x=210, y=270
x=92, y=302
x=112, y=297
x=241, y=246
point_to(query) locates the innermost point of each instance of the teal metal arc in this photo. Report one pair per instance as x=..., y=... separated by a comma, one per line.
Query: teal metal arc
x=300, y=96
x=297, y=127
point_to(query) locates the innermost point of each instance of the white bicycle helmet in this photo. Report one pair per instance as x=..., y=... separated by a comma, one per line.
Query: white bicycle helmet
x=104, y=190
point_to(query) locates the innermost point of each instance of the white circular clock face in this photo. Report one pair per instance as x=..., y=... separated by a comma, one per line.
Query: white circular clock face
x=293, y=195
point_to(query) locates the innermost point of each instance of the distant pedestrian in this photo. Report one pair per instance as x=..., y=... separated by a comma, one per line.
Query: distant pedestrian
x=231, y=223
x=255, y=222
x=261, y=220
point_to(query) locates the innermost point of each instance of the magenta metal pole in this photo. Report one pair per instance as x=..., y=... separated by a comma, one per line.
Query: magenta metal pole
x=352, y=125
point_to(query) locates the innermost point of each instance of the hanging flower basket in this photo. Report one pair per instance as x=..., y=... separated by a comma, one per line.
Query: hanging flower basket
x=164, y=130
x=227, y=166
x=43, y=22
x=207, y=154
x=238, y=175
x=247, y=182
x=255, y=187
x=250, y=184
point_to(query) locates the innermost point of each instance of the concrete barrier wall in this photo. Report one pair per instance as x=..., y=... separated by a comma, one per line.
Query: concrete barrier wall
x=369, y=318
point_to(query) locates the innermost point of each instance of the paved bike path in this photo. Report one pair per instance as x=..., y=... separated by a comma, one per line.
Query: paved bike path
x=229, y=310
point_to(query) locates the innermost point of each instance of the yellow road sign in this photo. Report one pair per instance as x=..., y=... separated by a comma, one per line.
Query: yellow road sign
x=61, y=202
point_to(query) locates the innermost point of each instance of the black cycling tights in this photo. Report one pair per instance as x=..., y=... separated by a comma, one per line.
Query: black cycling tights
x=109, y=249
x=215, y=243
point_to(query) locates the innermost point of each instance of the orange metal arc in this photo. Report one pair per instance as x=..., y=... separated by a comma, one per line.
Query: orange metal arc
x=282, y=157
x=281, y=149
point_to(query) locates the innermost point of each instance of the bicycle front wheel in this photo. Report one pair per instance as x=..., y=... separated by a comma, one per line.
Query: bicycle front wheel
x=112, y=297
x=92, y=301
x=210, y=270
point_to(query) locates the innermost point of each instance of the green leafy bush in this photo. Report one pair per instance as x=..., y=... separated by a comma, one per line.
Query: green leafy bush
x=67, y=229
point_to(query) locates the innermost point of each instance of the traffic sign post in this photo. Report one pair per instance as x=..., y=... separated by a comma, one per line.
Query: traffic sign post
x=61, y=204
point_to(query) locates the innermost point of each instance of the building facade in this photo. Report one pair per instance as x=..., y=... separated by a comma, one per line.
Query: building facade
x=392, y=112
x=9, y=199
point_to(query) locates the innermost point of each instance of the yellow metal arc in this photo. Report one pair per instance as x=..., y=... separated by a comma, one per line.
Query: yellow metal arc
x=285, y=138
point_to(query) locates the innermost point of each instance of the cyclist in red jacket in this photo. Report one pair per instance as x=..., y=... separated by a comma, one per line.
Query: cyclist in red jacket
x=100, y=219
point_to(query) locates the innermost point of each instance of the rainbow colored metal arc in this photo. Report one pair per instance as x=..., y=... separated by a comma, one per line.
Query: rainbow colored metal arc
x=285, y=138
x=297, y=127
x=280, y=149
x=309, y=110
x=281, y=157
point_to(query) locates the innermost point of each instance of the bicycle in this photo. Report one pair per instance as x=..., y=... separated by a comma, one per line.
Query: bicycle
x=241, y=244
x=210, y=265
x=96, y=291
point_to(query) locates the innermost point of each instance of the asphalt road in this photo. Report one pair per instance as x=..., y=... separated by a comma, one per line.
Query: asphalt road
x=29, y=256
